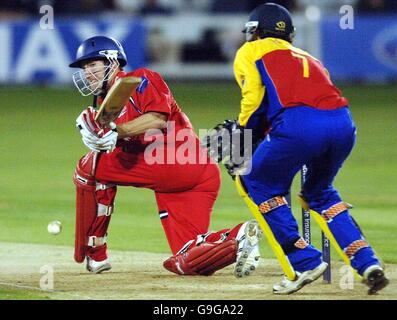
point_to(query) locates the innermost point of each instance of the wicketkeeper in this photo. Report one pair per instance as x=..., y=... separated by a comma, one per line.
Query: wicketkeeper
x=292, y=106
x=185, y=192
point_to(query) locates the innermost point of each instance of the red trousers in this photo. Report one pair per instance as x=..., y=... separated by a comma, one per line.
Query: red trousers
x=185, y=193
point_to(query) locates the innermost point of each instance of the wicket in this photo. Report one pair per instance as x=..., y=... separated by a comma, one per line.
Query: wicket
x=306, y=229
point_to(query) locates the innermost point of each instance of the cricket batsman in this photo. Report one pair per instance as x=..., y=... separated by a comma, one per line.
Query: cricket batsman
x=185, y=192
x=290, y=103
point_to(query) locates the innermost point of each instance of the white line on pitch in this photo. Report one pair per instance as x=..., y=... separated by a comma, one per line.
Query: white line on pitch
x=74, y=295
x=23, y=287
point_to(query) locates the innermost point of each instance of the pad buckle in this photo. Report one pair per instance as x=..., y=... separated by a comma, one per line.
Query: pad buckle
x=104, y=210
x=94, y=241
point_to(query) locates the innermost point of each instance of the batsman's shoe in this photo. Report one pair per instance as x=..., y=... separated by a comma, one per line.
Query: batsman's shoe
x=374, y=277
x=248, y=255
x=287, y=286
x=97, y=266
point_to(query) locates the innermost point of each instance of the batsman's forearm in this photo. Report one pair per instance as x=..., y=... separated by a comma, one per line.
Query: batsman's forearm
x=150, y=120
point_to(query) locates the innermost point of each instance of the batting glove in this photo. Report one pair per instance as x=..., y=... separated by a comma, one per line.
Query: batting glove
x=109, y=140
x=92, y=134
x=100, y=144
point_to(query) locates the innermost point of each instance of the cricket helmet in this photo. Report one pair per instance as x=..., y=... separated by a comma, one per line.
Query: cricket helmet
x=269, y=20
x=99, y=47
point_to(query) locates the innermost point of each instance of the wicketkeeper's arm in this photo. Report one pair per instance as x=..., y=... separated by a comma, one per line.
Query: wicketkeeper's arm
x=250, y=82
x=147, y=121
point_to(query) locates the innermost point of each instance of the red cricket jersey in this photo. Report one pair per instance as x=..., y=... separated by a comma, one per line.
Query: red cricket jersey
x=171, y=160
x=152, y=95
x=185, y=191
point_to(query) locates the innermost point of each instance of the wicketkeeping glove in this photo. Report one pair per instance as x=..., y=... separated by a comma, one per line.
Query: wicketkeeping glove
x=231, y=144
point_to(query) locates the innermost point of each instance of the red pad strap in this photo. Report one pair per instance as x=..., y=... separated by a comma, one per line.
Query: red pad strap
x=204, y=259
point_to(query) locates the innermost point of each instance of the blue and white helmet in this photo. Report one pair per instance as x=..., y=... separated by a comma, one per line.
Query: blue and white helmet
x=97, y=48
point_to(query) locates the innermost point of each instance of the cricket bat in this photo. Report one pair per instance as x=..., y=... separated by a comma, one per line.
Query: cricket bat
x=116, y=99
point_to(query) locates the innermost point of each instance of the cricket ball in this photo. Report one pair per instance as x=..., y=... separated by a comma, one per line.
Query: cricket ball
x=54, y=227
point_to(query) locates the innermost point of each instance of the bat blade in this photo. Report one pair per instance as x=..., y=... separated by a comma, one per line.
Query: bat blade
x=116, y=98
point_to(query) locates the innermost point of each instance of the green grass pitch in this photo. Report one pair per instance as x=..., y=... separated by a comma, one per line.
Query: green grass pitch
x=40, y=147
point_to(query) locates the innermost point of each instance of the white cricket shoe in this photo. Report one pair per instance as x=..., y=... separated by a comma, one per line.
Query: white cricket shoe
x=248, y=248
x=287, y=286
x=97, y=266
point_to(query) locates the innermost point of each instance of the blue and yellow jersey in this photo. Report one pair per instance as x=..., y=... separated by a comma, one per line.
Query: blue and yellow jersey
x=274, y=75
